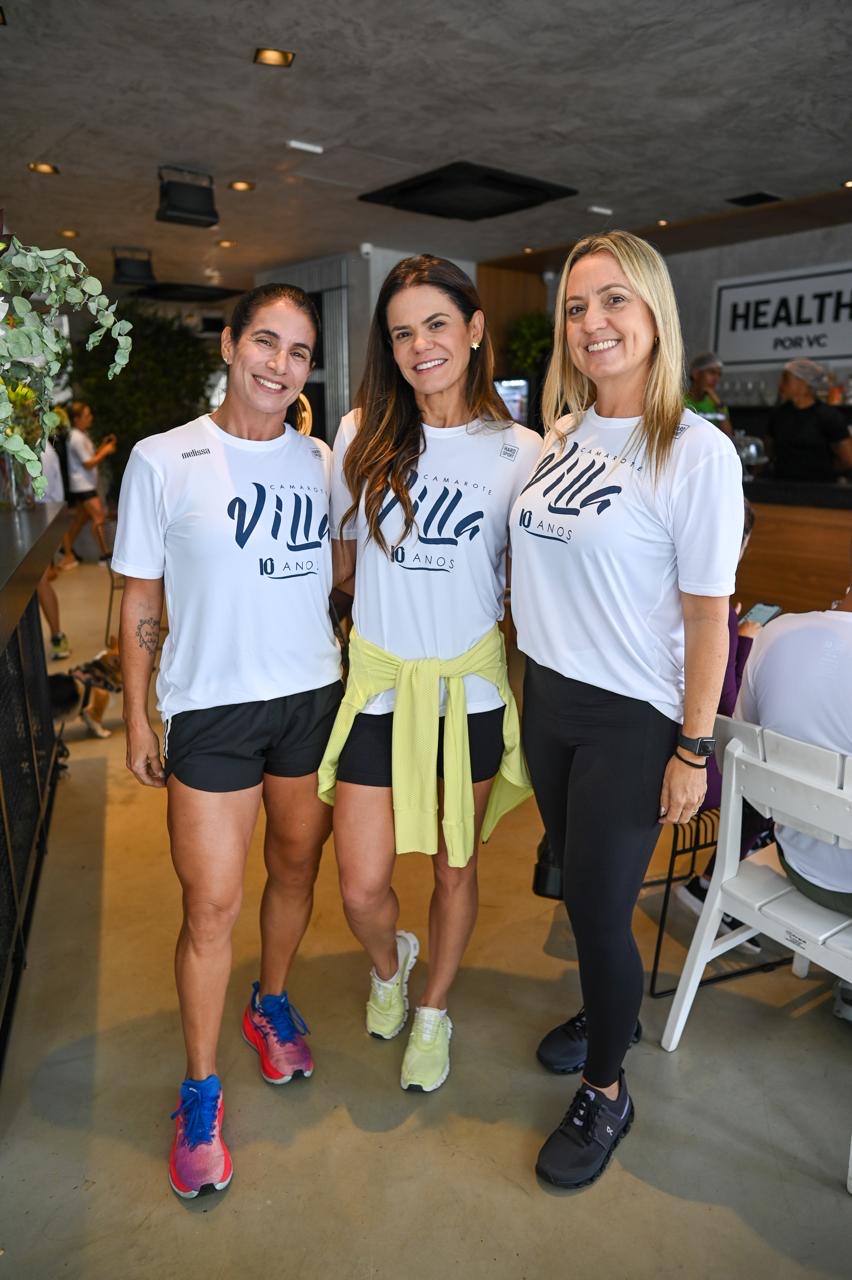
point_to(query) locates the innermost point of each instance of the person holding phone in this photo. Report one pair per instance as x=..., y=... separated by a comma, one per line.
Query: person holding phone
x=624, y=552
x=227, y=517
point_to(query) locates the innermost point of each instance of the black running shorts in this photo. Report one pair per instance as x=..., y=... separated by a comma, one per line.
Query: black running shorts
x=230, y=748
x=366, y=757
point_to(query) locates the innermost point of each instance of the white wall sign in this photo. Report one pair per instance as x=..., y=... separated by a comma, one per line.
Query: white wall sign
x=762, y=321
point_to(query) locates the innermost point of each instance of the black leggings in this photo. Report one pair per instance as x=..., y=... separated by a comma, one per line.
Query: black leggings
x=597, y=761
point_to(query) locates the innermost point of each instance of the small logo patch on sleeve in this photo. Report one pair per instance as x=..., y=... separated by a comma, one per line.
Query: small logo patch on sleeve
x=509, y=451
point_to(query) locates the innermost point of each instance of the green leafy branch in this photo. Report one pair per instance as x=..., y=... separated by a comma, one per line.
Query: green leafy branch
x=32, y=345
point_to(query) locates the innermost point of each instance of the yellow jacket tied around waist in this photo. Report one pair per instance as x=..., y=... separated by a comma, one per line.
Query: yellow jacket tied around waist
x=415, y=742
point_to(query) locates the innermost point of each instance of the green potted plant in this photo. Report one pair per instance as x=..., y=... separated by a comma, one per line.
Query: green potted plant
x=36, y=286
x=528, y=349
x=167, y=384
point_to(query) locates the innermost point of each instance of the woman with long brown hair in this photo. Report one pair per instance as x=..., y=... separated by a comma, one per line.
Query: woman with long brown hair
x=425, y=472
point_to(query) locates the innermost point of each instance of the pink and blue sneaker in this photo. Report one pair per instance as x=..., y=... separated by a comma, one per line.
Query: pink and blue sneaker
x=275, y=1030
x=199, y=1160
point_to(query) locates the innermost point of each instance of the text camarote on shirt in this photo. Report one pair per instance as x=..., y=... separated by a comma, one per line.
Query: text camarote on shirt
x=441, y=589
x=601, y=550
x=240, y=530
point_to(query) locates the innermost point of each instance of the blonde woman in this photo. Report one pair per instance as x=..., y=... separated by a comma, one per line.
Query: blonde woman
x=624, y=545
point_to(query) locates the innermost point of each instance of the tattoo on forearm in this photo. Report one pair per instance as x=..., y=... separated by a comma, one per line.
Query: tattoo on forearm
x=148, y=633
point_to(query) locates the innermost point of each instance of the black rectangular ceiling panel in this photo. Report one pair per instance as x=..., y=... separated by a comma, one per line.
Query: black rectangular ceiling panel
x=468, y=192
x=753, y=198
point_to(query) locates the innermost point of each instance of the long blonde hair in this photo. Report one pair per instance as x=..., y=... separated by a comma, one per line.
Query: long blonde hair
x=568, y=391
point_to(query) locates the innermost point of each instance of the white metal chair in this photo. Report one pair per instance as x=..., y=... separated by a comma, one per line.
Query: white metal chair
x=800, y=786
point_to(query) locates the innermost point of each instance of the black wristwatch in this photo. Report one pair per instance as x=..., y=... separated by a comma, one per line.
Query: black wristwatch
x=698, y=746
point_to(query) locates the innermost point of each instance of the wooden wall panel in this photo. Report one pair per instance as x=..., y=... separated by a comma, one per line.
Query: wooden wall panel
x=505, y=296
x=798, y=557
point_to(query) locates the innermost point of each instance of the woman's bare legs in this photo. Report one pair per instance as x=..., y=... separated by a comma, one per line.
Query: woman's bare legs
x=297, y=826
x=452, y=910
x=366, y=853
x=210, y=834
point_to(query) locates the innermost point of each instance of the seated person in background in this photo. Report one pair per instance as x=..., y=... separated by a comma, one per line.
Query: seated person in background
x=799, y=682
x=740, y=634
x=705, y=373
x=806, y=439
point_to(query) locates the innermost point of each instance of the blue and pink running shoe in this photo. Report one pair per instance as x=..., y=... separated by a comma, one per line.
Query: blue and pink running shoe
x=199, y=1160
x=276, y=1031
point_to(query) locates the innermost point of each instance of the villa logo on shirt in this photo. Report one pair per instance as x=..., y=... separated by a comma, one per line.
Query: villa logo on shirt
x=444, y=525
x=568, y=478
x=291, y=517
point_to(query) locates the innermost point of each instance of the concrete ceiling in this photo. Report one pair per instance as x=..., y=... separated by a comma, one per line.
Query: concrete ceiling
x=656, y=110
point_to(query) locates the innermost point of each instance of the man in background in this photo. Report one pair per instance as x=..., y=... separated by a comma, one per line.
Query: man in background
x=807, y=439
x=705, y=373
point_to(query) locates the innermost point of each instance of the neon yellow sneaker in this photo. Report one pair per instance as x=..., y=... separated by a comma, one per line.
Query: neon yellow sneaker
x=426, y=1064
x=387, y=1007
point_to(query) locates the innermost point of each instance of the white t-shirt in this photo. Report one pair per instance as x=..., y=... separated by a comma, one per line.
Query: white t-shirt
x=80, y=449
x=601, y=551
x=239, y=530
x=798, y=681
x=442, y=588
x=52, y=471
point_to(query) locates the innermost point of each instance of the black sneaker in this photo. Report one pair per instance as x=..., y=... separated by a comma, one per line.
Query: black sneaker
x=577, y=1153
x=693, y=895
x=564, y=1049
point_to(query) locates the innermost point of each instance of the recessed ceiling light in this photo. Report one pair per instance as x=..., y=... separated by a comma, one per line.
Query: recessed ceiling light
x=527, y=249
x=226, y=244
x=240, y=184
x=69, y=233
x=40, y=166
x=274, y=57
x=848, y=182
x=313, y=148
x=662, y=222
x=601, y=209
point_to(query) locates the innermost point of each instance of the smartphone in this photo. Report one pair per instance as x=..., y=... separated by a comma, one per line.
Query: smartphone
x=761, y=613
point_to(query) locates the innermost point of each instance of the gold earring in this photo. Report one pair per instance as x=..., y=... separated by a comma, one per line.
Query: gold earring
x=474, y=346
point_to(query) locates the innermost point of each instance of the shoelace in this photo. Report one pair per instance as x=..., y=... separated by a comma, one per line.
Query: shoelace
x=576, y=1026
x=200, y=1112
x=579, y=1120
x=426, y=1023
x=284, y=1018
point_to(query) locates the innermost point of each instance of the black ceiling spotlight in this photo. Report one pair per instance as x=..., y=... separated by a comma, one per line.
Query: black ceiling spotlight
x=186, y=197
x=469, y=192
x=132, y=266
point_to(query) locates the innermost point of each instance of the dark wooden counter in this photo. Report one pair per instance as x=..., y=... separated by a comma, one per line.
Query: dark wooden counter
x=798, y=557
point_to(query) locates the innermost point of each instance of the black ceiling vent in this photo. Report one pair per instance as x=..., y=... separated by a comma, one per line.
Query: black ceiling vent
x=186, y=197
x=752, y=198
x=186, y=293
x=469, y=192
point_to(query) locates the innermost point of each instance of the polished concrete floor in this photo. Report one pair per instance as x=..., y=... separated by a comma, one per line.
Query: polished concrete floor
x=735, y=1166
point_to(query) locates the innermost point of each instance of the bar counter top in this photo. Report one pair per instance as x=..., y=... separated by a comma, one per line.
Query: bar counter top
x=28, y=540
x=793, y=493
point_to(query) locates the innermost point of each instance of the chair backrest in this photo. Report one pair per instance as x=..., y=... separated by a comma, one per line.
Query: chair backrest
x=798, y=784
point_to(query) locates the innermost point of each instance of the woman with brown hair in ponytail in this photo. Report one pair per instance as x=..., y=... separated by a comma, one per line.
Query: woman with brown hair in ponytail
x=425, y=472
